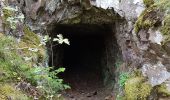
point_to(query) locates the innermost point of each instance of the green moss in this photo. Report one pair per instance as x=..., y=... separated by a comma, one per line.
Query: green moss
x=148, y=2
x=31, y=40
x=12, y=64
x=30, y=37
x=162, y=90
x=123, y=77
x=10, y=61
x=8, y=91
x=153, y=15
x=162, y=4
x=137, y=89
x=165, y=29
x=148, y=18
x=8, y=12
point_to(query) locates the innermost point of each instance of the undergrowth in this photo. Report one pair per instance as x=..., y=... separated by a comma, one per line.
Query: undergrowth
x=22, y=69
x=15, y=69
x=123, y=77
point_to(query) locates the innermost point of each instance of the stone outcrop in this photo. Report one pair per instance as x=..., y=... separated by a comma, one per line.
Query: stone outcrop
x=141, y=28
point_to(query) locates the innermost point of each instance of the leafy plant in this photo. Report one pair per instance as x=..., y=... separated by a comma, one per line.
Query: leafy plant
x=60, y=39
x=123, y=77
x=20, y=62
x=48, y=81
x=16, y=68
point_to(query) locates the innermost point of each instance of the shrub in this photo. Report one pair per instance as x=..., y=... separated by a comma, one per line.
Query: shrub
x=15, y=69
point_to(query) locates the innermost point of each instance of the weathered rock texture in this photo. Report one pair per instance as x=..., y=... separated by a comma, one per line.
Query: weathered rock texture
x=141, y=28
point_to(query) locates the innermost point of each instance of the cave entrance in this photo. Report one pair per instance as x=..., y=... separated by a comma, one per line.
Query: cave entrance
x=87, y=58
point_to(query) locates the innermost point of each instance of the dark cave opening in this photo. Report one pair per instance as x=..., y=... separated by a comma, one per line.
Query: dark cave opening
x=87, y=58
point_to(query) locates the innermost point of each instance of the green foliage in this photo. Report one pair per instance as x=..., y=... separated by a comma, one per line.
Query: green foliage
x=137, y=89
x=9, y=60
x=48, y=82
x=23, y=61
x=15, y=68
x=123, y=77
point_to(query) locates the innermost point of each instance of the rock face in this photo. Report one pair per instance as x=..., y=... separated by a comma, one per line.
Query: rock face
x=143, y=37
x=141, y=28
x=128, y=9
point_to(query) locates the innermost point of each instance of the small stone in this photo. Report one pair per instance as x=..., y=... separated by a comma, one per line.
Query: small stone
x=92, y=94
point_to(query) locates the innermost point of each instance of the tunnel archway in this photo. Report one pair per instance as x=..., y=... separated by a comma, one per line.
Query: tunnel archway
x=89, y=59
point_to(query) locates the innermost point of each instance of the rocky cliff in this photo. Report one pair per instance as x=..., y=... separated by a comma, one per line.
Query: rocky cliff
x=140, y=30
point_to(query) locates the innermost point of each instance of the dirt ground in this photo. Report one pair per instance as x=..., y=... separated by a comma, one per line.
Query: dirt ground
x=86, y=86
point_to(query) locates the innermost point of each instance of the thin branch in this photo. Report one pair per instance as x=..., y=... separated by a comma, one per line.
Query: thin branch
x=16, y=48
x=51, y=49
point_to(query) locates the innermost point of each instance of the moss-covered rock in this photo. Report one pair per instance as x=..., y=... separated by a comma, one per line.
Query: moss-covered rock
x=29, y=41
x=165, y=29
x=149, y=18
x=163, y=91
x=137, y=89
x=17, y=59
x=153, y=15
x=148, y=2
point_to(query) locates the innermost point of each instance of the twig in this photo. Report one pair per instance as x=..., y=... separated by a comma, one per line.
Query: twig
x=16, y=48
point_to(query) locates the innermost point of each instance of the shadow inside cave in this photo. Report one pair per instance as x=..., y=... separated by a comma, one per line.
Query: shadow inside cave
x=84, y=59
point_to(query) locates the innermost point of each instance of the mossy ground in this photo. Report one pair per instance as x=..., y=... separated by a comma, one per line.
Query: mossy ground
x=13, y=67
x=8, y=92
x=136, y=88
